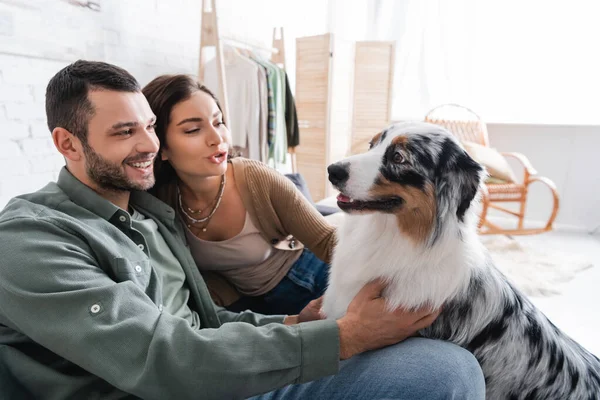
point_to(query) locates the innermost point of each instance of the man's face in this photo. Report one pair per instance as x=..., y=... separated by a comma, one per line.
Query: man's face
x=121, y=143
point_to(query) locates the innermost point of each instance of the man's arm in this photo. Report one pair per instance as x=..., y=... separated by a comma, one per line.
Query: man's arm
x=54, y=291
x=249, y=317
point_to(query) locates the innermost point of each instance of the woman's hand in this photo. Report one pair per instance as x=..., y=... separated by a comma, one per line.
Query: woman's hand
x=311, y=312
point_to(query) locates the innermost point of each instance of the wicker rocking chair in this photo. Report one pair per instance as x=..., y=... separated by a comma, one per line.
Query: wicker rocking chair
x=469, y=127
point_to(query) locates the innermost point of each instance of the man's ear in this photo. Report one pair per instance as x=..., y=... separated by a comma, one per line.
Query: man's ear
x=67, y=144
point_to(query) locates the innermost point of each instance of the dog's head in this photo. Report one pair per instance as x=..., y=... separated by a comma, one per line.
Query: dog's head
x=417, y=171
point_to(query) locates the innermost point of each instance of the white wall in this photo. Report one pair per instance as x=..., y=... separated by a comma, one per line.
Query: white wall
x=564, y=153
x=43, y=36
x=254, y=20
x=569, y=156
x=151, y=37
x=146, y=37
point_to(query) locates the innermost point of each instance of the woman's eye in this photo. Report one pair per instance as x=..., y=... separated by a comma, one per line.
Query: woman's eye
x=398, y=158
x=193, y=130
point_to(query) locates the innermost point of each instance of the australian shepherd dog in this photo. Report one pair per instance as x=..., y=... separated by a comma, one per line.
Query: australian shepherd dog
x=410, y=221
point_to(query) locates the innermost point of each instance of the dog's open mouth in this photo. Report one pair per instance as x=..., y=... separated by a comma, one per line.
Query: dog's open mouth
x=384, y=204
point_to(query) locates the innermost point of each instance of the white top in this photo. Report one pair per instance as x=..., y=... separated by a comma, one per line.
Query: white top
x=247, y=260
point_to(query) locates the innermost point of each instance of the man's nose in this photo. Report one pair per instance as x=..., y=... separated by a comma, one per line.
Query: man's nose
x=149, y=142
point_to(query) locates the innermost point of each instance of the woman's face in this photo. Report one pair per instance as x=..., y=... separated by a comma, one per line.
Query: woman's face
x=197, y=141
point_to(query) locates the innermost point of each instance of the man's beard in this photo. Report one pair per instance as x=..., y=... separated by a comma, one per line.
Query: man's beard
x=112, y=177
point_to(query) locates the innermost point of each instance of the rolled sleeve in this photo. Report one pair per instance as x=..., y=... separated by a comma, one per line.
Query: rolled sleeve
x=318, y=338
x=249, y=317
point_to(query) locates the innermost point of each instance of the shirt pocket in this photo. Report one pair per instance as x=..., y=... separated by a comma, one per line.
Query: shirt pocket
x=138, y=272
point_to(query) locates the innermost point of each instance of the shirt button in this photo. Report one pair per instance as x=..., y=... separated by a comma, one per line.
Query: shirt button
x=160, y=307
x=141, y=246
x=95, y=309
x=138, y=268
x=122, y=218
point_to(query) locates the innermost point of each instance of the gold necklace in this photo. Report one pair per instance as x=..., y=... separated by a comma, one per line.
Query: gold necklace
x=212, y=212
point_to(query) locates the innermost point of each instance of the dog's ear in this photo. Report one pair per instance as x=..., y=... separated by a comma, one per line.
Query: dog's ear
x=458, y=177
x=470, y=173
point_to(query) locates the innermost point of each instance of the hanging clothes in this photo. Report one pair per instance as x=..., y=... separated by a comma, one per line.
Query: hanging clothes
x=277, y=132
x=270, y=101
x=263, y=113
x=291, y=118
x=280, y=145
x=243, y=95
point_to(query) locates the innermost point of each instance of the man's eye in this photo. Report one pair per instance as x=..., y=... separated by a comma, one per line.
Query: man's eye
x=126, y=132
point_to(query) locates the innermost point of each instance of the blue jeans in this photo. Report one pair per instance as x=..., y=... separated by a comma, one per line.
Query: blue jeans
x=416, y=368
x=305, y=281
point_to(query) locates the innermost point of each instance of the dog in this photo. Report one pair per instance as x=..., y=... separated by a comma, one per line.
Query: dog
x=411, y=222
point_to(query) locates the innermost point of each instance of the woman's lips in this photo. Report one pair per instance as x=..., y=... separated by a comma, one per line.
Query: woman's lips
x=218, y=157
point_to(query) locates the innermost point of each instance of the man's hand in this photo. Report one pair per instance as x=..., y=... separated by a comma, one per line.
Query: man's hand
x=311, y=312
x=369, y=325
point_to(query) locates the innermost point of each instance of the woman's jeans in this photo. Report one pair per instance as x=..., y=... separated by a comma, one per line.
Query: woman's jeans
x=416, y=368
x=305, y=281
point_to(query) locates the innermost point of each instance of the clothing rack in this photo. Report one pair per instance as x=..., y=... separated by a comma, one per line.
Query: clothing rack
x=210, y=37
x=241, y=43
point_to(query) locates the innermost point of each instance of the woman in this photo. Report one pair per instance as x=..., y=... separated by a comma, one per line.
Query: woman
x=243, y=221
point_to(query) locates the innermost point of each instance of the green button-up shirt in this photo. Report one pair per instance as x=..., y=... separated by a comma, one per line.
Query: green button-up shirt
x=81, y=315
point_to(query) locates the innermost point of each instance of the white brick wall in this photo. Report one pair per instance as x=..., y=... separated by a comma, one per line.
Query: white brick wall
x=146, y=37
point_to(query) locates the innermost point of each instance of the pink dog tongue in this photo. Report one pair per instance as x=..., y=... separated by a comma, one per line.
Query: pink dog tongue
x=343, y=198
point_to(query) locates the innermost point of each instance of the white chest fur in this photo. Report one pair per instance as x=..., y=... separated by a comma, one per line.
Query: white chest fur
x=372, y=246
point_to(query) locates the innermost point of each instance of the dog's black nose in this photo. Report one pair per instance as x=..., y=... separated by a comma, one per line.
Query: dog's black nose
x=338, y=173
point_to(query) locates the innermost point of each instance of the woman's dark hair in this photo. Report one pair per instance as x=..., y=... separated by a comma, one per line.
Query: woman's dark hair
x=164, y=93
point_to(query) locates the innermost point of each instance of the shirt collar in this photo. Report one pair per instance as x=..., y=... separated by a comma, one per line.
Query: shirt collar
x=84, y=196
x=87, y=198
x=151, y=206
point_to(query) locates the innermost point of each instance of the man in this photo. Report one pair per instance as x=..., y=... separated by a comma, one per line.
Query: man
x=100, y=298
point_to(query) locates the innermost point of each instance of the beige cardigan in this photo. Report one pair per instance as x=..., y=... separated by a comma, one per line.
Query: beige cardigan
x=284, y=216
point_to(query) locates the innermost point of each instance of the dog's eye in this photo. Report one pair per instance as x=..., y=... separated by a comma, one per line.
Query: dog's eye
x=398, y=158
x=370, y=145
